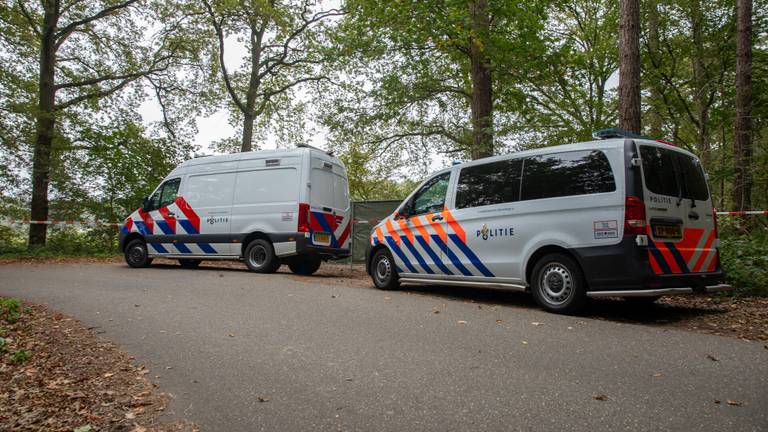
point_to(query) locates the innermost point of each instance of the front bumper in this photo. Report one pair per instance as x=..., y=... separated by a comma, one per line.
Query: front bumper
x=660, y=291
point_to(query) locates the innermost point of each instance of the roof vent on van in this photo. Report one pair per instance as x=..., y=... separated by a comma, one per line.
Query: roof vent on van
x=616, y=133
x=329, y=153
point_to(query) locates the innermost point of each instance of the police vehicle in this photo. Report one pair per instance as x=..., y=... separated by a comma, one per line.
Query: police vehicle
x=618, y=217
x=265, y=207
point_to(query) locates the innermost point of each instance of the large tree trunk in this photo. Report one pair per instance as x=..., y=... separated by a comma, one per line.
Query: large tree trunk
x=629, y=66
x=482, y=83
x=45, y=124
x=655, y=120
x=700, y=83
x=247, y=142
x=742, y=127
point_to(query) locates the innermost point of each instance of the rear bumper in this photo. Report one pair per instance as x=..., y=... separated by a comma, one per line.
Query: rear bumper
x=624, y=267
x=305, y=246
x=660, y=291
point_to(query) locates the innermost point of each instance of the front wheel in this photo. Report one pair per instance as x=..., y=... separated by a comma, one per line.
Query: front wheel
x=383, y=270
x=260, y=257
x=558, y=284
x=304, y=265
x=136, y=254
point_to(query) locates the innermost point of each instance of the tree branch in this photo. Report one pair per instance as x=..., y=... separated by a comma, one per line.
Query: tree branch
x=67, y=30
x=224, y=72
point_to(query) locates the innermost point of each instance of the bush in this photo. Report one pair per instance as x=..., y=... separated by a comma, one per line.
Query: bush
x=62, y=241
x=744, y=257
x=10, y=310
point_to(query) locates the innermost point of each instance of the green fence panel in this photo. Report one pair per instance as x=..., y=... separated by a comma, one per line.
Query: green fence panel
x=366, y=215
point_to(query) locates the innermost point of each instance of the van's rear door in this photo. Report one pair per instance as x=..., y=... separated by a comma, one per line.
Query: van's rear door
x=329, y=221
x=681, y=229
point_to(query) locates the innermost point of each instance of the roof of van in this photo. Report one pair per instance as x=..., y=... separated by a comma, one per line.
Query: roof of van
x=260, y=154
x=606, y=143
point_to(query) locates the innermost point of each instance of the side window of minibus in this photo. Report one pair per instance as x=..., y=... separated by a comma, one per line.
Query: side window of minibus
x=431, y=197
x=170, y=189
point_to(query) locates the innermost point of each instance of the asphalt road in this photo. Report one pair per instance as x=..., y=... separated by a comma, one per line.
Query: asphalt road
x=334, y=355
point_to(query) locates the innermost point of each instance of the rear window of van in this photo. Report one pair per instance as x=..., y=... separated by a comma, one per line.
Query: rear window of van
x=671, y=173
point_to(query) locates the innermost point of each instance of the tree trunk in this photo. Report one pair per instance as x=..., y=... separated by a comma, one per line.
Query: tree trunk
x=742, y=127
x=247, y=143
x=482, y=83
x=700, y=83
x=45, y=124
x=655, y=123
x=629, y=66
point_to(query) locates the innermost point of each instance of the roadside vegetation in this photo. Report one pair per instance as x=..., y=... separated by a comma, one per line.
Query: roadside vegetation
x=61, y=377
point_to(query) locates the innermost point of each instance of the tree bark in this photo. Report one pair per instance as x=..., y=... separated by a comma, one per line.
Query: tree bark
x=701, y=85
x=742, y=127
x=247, y=140
x=482, y=82
x=45, y=124
x=655, y=120
x=629, y=66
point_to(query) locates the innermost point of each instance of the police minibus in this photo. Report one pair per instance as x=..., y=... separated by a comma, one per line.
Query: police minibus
x=264, y=207
x=618, y=217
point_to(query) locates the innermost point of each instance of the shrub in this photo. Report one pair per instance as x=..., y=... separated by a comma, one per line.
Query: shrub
x=20, y=356
x=10, y=310
x=744, y=257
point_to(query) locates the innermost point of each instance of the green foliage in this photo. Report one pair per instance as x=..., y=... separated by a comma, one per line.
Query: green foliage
x=10, y=310
x=3, y=345
x=744, y=257
x=20, y=356
x=64, y=242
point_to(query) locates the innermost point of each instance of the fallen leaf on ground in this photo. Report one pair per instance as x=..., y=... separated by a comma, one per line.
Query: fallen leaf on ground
x=711, y=357
x=231, y=335
x=733, y=403
x=536, y=323
x=499, y=321
x=263, y=399
x=139, y=429
x=108, y=374
x=436, y=312
x=130, y=415
x=657, y=375
x=600, y=397
x=717, y=401
x=525, y=342
x=462, y=322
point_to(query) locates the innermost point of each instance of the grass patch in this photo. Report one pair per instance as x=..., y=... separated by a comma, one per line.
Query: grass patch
x=10, y=310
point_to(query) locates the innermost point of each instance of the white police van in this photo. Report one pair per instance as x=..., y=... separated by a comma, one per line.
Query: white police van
x=265, y=207
x=622, y=217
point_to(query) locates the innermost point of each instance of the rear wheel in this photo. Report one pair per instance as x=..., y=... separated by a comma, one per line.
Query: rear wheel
x=383, y=270
x=558, y=284
x=260, y=257
x=190, y=263
x=304, y=265
x=136, y=254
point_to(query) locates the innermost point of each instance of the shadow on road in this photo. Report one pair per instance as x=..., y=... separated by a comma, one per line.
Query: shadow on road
x=661, y=313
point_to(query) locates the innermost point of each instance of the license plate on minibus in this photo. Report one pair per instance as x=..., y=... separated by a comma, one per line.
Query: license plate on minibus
x=322, y=238
x=667, y=231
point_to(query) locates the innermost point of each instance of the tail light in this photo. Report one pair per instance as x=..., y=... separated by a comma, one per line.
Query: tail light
x=634, y=216
x=303, y=217
x=714, y=219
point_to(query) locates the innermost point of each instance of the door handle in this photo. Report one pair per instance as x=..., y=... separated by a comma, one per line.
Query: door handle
x=693, y=215
x=437, y=218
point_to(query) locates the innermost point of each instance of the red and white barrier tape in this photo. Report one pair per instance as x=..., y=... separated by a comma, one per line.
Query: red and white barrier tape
x=355, y=221
x=59, y=223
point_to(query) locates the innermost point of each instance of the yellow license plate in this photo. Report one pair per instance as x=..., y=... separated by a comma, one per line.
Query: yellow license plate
x=322, y=238
x=668, y=231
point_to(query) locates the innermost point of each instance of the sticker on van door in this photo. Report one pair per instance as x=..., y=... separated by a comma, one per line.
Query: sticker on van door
x=606, y=229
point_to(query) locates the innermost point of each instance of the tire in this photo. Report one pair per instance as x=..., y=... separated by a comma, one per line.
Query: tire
x=304, y=265
x=136, y=254
x=383, y=271
x=557, y=284
x=260, y=257
x=190, y=263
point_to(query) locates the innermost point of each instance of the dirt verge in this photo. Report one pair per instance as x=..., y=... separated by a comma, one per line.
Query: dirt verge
x=58, y=375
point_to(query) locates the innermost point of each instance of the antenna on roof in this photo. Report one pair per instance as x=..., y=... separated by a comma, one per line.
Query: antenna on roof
x=616, y=133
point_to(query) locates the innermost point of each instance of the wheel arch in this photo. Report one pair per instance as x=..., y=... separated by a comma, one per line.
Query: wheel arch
x=546, y=250
x=131, y=237
x=251, y=237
